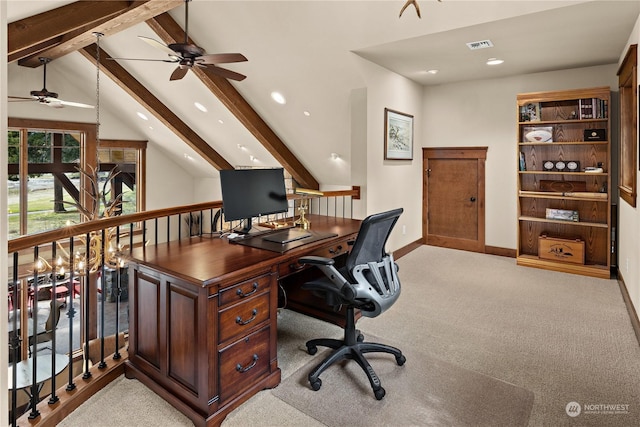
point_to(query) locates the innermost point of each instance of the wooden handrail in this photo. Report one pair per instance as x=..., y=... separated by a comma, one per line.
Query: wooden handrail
x=47, y=237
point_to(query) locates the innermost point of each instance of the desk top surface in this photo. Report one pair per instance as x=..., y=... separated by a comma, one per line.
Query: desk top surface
x=209, y=260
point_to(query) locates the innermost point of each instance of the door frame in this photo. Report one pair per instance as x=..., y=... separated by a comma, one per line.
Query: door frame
x=477, y=153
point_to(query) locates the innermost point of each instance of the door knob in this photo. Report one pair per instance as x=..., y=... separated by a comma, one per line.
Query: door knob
x=473, y=199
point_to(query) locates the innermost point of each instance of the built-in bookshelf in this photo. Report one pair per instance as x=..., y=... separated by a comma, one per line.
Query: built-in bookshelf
x=564, y=185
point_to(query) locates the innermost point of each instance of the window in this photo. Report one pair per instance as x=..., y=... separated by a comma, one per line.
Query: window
x=627, y=84
x=45, y=184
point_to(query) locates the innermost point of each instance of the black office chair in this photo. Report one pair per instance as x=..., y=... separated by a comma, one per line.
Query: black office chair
x=50, y=324
x=368, y=282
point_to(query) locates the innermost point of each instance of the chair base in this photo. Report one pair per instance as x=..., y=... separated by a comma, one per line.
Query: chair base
x=351, y=347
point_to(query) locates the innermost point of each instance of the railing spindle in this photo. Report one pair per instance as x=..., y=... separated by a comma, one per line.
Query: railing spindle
x=34, y=356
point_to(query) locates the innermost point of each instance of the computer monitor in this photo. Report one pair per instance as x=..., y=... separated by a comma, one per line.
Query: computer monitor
x=248, y=193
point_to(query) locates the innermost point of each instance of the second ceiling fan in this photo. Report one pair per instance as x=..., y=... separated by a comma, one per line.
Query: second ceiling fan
x=186, y=55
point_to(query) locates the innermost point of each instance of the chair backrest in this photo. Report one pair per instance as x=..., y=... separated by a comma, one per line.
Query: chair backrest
x=54, y=315
x=372, y=238
x=93, y=352
x=372, y=271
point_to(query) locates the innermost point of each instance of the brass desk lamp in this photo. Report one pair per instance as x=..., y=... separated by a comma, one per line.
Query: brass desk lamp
x=303, y=222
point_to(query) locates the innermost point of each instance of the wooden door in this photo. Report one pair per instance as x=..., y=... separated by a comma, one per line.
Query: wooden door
x=453, y=197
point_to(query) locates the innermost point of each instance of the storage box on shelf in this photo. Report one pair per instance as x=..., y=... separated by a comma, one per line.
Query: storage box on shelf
x=564, y=162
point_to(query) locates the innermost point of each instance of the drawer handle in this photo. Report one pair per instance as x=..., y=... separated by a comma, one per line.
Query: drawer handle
x=242, y=370
x=239, y=320
x=254, y=288
x=334, y=251
x=296, y=266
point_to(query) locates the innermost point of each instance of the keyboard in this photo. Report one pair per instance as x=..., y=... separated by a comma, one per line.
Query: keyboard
x=286, y=236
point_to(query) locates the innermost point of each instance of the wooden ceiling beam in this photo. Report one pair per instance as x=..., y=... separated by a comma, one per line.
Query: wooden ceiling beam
x=69, y=28
x=145, y=98
x=170, y=32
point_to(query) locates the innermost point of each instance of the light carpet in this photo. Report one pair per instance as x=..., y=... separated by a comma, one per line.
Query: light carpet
x=424, y=391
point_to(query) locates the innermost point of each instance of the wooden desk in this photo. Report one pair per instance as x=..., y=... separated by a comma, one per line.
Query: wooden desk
x=203, y=332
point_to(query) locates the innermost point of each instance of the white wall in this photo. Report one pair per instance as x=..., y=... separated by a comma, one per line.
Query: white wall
x=483, y=113
x=167, y=184
x=3, y=198
x=629, y=225
x=393, y=183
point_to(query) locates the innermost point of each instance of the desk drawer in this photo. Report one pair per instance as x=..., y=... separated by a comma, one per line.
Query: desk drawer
x=244, y=290
x=243, y=363
x=336, y=249
x=240, y=318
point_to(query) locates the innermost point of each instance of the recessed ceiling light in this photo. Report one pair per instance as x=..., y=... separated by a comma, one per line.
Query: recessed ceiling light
x=494, y=61
x=142, y=116
x=335, y=156
x=306, y=113
x=278, y=97
x=220, y=121
x=200, y=107
x=432, y=71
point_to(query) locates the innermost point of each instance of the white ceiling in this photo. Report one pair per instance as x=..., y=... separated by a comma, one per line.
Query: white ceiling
x=309, y=50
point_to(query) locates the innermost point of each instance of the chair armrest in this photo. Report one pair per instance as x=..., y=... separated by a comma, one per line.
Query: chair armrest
x=316, y=260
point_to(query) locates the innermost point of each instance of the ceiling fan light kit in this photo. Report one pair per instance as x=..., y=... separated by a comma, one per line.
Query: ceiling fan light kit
x=43, y=96
x=186, y=55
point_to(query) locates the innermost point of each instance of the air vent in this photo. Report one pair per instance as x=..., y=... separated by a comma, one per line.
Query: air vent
x=482, y=44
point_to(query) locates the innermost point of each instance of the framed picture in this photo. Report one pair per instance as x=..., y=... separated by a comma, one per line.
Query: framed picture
x=398, y=135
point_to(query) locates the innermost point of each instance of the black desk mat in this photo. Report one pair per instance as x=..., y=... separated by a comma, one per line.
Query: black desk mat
x=258, y=242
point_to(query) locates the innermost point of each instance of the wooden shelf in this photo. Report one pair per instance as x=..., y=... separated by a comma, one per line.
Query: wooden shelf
x=560, y=196
x=561, y=121
x=564, y=173
x=592, y=270
x=550, y=144
x=557, y=221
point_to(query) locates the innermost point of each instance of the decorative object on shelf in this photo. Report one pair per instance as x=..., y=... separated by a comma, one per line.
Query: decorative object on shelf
x=593, y=169
x=523, y=164
x=562, y=186
x=593, y=108
x=561, y=249
x=595, y=134
x=537, y=134
x=562, y=215
x=398, y=135
x=561, y=166
x=303, y=222
x=530, y=112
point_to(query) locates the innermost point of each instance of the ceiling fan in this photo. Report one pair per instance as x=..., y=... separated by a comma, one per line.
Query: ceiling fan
x=186, y=55
x=45, y=97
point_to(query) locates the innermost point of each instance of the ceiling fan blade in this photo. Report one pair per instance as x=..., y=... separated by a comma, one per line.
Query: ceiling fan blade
x=227, y=74
x=158, y=45
x=173, y=60
x=21, y=99
x=179, y=73
x=221, y=58
x=74, y=104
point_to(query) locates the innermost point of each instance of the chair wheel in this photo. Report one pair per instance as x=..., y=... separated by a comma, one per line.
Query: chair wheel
x=312, y=349
x=315, y=385
x=360, y=338
x=379, y=393
x=400, y=360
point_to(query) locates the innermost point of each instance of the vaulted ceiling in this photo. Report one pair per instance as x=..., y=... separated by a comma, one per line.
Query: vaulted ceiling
x=310, y=51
